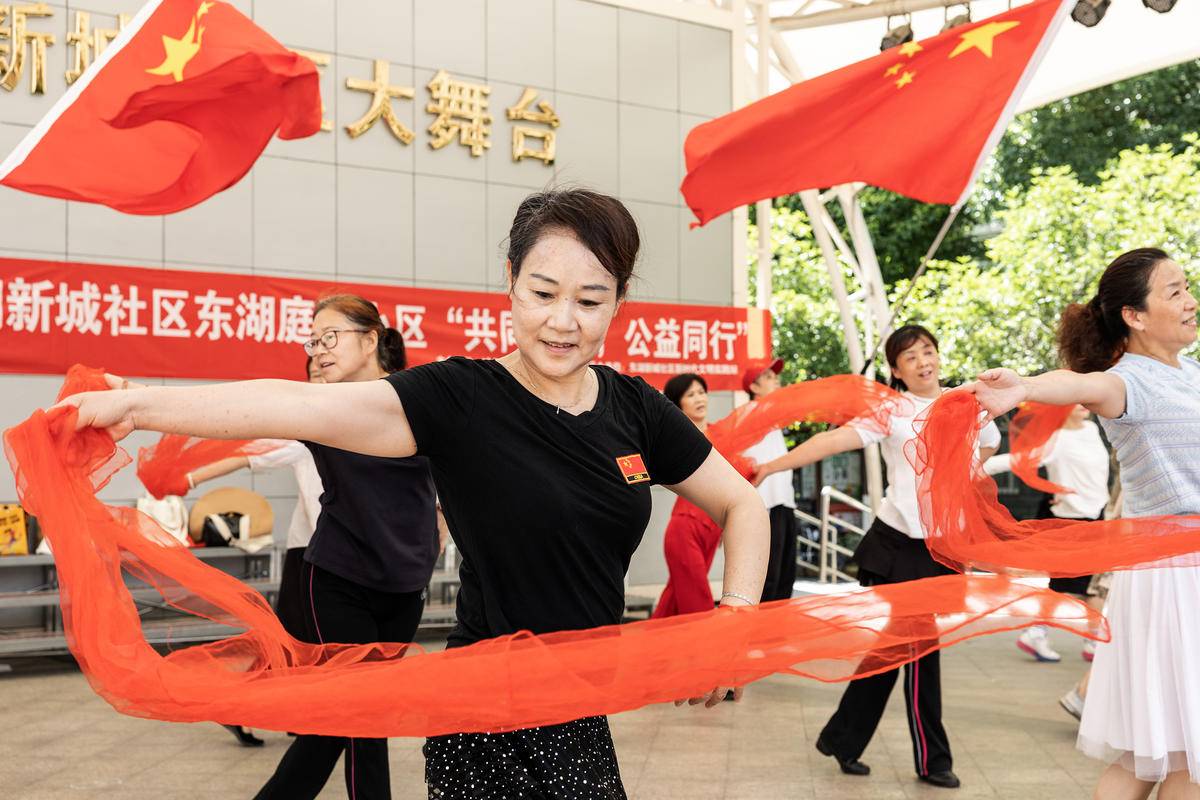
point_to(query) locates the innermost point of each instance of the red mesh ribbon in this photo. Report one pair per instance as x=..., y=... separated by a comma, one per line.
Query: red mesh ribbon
x=969, y=528
x=1028, y=434
x=835, y=400
x=163, y=467
x=266, y=679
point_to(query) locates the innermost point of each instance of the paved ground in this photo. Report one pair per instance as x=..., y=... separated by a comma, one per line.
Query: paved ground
x=1010, y=738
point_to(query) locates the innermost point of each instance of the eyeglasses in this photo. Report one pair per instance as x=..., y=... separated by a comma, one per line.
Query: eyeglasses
x=328, y=339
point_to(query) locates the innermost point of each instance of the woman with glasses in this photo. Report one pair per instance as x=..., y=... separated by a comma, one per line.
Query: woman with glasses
x=543, y=464
x=371, y=556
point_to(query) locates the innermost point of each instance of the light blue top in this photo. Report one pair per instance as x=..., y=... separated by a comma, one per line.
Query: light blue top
x=1157, y=439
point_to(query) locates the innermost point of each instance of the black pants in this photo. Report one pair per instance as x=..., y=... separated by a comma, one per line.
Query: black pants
x=343, y=611
x=851, y=727
x=781, y=568
x=291, y=606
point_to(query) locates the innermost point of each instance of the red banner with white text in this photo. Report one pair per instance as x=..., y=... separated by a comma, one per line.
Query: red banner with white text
x=181, y=324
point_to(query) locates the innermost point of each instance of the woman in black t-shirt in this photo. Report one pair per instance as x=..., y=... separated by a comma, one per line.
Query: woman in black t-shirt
x=372, y=552
x=543, y=465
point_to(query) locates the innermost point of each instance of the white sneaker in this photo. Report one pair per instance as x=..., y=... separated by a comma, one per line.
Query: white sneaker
x=1072, y=703
x=1037, y=645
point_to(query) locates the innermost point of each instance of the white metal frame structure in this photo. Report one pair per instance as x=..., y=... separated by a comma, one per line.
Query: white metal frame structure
x=827, y=547
x=865, y=313
x=760, y=51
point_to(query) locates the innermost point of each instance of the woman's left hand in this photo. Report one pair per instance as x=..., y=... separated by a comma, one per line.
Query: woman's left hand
x=717, y=695
x=713, y=698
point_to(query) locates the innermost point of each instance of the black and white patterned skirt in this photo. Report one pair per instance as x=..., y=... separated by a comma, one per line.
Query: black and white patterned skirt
x=575, y=760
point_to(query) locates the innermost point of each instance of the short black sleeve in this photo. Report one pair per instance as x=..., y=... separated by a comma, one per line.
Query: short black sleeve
x=677, y=448
x=438, y=400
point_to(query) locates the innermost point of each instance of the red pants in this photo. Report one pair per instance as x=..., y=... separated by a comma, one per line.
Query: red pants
x=690, y=544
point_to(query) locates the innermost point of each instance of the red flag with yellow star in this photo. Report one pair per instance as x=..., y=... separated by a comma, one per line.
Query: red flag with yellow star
x=176, y=109
x=918, y=119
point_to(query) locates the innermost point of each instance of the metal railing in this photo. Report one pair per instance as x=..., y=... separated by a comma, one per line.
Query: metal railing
x=829, y=528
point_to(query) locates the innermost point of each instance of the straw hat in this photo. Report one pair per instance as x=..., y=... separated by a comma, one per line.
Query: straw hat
x=228, y=499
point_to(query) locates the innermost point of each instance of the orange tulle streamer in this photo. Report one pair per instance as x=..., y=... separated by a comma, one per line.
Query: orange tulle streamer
x=836, y=400
x=266, y=679
x=1028, y=434
x=163, y=467
x=969, y=528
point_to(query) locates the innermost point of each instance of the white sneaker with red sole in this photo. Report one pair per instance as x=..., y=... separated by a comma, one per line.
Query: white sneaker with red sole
x=1034, y=642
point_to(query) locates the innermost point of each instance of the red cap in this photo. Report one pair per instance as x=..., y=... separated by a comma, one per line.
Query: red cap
x=756, y=368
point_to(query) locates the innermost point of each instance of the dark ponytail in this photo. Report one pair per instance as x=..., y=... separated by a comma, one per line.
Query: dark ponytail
x=389, y=349
x=392, y=357
x=1093, y=335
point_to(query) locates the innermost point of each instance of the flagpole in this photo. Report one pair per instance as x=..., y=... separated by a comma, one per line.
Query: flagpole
x=998, y=129
x=929, y=254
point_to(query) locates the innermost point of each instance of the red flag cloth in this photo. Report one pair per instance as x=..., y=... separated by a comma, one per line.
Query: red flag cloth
x=969, y=528
x=178, y=108
x=266, y=679
x=163, y=468
x=918, y=119
x=1028, y=434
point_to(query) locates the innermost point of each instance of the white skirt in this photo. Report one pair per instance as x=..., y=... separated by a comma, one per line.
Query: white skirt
x=1143, y=702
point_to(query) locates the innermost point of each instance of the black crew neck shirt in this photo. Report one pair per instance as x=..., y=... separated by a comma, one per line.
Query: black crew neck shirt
x=545, y=507
x=378, y=521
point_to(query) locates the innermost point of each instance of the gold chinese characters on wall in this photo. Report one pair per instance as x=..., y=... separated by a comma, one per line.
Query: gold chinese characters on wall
x=459, y=108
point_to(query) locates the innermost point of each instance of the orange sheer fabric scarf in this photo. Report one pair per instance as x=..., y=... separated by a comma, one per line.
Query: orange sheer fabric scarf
x=266, y=679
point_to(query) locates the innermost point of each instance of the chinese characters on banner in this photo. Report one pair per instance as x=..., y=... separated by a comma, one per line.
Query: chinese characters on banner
x=175, y=324
x=460, y=109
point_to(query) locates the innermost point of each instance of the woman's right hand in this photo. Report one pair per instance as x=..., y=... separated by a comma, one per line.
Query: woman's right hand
x=761, y=473
x=999, y=391
x=111, y=411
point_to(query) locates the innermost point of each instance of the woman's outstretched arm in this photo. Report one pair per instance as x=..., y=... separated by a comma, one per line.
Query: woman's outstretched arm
x=363, y=417
x=1001, y=390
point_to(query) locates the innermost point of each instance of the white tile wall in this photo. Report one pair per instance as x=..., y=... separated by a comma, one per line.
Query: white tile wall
x=627, y=86
x=450, y=36
x=450, y=239
x=374, y=223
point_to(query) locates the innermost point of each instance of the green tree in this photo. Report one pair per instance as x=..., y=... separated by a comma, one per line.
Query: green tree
x=1058, y=236
x=902, y=229
x=1086, y=131
x=1003, y=308
x=806, y=327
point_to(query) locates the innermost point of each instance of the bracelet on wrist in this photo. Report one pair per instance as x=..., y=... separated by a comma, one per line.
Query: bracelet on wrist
x=741, y=597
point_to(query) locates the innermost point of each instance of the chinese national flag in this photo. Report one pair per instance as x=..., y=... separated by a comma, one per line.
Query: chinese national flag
x=918, y=119
x=176, y=109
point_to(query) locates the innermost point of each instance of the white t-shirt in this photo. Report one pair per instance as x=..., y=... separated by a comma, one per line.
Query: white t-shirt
x=308, y=504
x=1077, y=459
x=899, y=508
x=777, y=489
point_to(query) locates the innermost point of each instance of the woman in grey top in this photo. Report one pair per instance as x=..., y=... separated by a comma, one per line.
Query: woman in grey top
x=1123, y=350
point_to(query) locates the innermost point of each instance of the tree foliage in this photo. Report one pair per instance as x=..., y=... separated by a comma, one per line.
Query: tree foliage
x=1059, y=232
x=1084, y=132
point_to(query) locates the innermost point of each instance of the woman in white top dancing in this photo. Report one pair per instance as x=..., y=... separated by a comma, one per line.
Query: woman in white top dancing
x=1123, y=350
